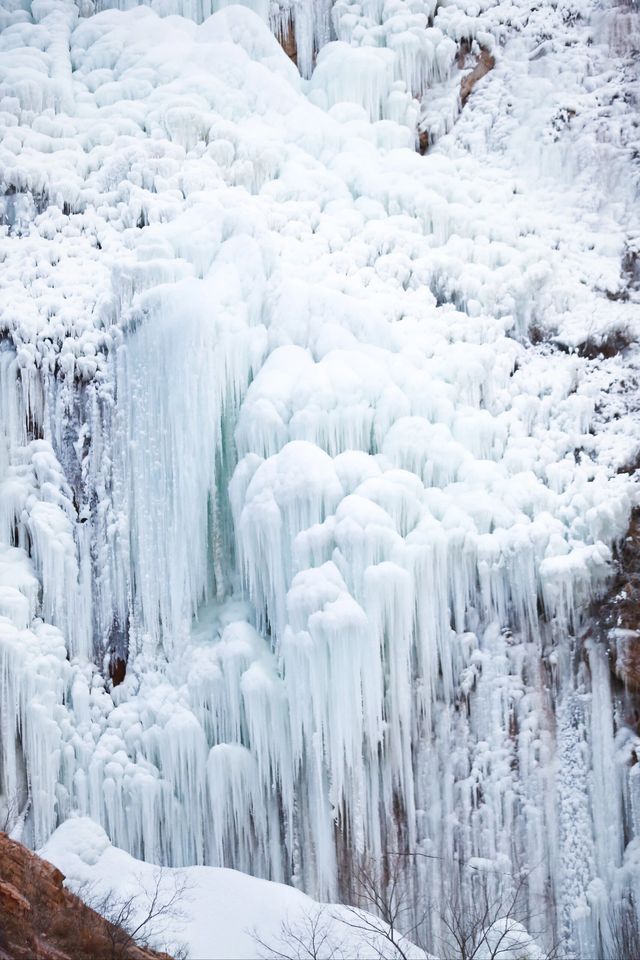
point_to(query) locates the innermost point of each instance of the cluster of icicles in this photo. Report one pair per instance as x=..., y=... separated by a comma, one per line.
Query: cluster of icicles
x=344, y=577
x=373, y=671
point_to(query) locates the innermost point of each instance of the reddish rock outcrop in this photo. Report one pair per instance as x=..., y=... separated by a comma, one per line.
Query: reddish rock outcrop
x=619, y=611
x=41, y=920
x=486, y=62
x=288, y=43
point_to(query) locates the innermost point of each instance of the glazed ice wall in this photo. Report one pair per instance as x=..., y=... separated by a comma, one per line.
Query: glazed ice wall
x=267, y=367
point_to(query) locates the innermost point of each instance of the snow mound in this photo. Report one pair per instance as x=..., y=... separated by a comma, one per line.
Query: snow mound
x=222, y=914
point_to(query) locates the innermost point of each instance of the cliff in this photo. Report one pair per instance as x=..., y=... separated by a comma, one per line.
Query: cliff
x=41, y=920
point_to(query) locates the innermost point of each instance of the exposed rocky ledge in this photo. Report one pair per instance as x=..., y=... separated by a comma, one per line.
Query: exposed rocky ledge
x=486, y=63
x=41, y=920
x=619, y=612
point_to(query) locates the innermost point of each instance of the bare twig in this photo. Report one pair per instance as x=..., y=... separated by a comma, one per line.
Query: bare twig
x=143, y=916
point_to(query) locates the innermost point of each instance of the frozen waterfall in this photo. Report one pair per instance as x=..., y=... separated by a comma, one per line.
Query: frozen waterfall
x=314, y=460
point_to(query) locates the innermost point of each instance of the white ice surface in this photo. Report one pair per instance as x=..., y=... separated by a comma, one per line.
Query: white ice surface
x=267, y=367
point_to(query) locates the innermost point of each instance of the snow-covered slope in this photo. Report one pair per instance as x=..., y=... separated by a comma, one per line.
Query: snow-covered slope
x=212, y=912
x=307, y=439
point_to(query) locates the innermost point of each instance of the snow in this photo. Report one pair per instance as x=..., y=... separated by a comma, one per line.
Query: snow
x=275, y=433
x=221, y=915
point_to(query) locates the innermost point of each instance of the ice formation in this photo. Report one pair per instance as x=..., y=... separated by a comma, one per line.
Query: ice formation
x=298, y=528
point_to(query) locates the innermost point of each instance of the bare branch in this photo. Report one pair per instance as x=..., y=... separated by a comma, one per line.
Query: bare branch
x=310, y=937
x=142, y=916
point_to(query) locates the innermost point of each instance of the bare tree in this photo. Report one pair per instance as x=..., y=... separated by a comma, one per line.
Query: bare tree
x=491, y=921
x=372, y=927
x=9, y=813
x=13, y=814
x=623, y=930
x=383, y=907
x=311, y=937
x=146, y=918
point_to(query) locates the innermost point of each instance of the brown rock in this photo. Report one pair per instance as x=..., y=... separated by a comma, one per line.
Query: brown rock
x=13, y=901
x=288, y=43
x=486, y=62
x=619, y=611
x=41, y=920
x=626, y=657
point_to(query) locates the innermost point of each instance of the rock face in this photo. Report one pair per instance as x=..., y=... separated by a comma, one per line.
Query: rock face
x=486, y=62
x=288, y=42
x=619, y=612
x=41, y=920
